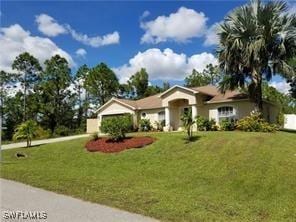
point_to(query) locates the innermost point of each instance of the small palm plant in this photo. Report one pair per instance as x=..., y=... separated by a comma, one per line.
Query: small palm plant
x=27, y=130
x=188, y=123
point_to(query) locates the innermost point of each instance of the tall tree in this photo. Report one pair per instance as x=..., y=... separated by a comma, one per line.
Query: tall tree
x=211, y=72
x=29, y=69
x=197, y=79
x=256, y=41
x=56, y=98
x=139, y=83
x=82, y=93
x=102, y=83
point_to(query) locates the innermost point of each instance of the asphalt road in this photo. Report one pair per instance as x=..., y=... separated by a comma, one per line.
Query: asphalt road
x=57, y=208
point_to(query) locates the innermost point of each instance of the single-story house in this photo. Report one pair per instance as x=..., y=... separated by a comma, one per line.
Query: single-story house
x=168, y=106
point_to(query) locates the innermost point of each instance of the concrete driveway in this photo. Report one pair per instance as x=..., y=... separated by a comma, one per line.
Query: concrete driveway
x=40, y=142
x=18, y=197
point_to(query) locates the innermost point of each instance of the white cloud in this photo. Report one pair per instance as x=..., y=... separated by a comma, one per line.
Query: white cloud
x=145, y=14
x=81, y=52
x=48, y=25
x=211, y=37
x=14, y=40
x=281, y=86
x=180, y=26
x=165, y=64
x=96, y=41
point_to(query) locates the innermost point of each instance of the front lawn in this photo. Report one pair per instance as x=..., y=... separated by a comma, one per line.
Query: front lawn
x=221, y=176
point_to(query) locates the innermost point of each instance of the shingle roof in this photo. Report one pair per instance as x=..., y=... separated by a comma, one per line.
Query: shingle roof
x=152, y=102
x=228, y=96
x=208, y=89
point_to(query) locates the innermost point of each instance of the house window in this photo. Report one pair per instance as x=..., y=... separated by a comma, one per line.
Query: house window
x=143, y=115
x=226, y=112
x=161, y=116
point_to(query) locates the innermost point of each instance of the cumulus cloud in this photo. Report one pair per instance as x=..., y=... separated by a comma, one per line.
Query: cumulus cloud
x=281, y=86
x=180, y=26
x=96, y=41
x=49, y=26
x=166, y=64
x=81, y=52
x=15, y=40
x=211, y=37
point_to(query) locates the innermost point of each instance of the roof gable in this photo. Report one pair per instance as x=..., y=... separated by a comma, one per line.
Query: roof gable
x=176, y=87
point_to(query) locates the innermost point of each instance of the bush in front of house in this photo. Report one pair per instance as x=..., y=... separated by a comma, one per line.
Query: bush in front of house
x=160, y=125
x=145, y=125
x=227, y=124
x=203, y=124
x=117, y=127
x=255, y=123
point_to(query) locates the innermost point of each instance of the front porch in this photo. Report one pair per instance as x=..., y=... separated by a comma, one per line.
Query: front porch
x=174, y=111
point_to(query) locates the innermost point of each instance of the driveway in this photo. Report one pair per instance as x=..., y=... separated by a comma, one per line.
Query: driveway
x=40, y=142
x=56, y=207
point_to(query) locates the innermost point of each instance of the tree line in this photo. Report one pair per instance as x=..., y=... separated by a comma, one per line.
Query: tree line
x=58, y=100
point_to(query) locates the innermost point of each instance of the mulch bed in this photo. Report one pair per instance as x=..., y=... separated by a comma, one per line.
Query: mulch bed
x=106, y=145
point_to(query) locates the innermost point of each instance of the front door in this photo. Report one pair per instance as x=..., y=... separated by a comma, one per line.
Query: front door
x=182, y=111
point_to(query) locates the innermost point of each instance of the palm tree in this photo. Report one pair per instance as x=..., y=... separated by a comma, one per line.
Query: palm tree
x=256, y=42
x=27, y=130
x=188, y=123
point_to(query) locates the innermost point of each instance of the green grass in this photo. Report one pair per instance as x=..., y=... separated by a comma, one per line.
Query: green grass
x=221, y=176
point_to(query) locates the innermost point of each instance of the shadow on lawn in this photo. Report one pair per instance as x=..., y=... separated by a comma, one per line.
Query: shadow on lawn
x=192, y=139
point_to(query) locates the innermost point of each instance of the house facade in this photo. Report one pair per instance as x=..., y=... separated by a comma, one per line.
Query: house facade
x=170, y=105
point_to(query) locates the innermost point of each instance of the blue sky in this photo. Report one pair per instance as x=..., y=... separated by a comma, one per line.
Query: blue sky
x=180, y=48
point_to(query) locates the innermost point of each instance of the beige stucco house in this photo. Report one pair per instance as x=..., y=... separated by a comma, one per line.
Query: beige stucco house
x=206, y=101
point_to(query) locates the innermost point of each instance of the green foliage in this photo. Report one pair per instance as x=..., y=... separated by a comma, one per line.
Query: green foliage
x=255, y=123
x=196, y=79
x=117, y=127
x=139, y=83
x=29, y=70
x=227, y=124
x=102, y=83
x=62, y=131
x=210, y=75
x=145, y=125
x=95, y=136
x=160, y=125
x=27, y=130
x=57, y=101
x=280, y=119
x=252, y=46
x=203, y=124
x=286, y=102
x=188, y=123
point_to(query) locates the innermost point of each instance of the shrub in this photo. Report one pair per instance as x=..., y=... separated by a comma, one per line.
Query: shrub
x=227, y=124
x=255, y=123
x=144, y=125
x=204, y=124
x=160, y=125
x=42, y=133
x=27, y=130
x=62, y=131
x=95, y=136
x=116, y=127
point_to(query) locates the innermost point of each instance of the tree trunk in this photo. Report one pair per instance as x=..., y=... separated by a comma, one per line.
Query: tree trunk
x=257, y=91
x=25, y=95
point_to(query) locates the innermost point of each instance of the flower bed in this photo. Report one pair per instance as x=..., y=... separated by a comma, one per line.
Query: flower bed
x=106, y=145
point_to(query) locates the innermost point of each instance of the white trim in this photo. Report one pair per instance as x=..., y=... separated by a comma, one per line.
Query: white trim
x=177, y=86
x=115, y=100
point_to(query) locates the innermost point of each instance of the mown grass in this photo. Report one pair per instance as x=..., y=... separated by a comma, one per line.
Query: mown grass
x=221, y=176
